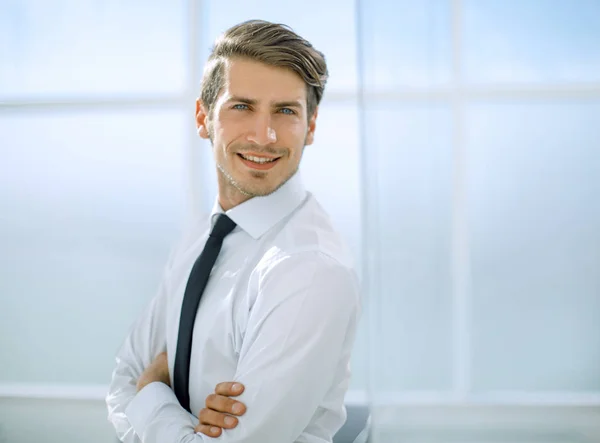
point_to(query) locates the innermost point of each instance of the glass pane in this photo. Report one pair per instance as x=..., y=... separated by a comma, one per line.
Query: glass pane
x=71, y=47
x=531, y=41
x=335, y=154
x=534, y=225
x=329, y=26
x=413, y=175
x=90, y=205
x=406, y=43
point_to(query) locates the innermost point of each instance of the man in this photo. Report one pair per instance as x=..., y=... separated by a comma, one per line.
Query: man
x=277, y=317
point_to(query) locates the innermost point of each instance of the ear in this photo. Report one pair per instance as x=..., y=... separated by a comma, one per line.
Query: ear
x=312, y=124
x=201, y=119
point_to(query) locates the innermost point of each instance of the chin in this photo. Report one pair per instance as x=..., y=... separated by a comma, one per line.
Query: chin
x=258, y=183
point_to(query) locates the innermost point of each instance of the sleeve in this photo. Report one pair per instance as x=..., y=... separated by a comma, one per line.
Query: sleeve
x=302, y=322
x=301, y=330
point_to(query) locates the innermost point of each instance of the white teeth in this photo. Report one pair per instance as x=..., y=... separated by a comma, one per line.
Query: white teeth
x=258, y=159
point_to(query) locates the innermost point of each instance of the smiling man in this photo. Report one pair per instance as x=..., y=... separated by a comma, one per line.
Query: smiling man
x=259, y=301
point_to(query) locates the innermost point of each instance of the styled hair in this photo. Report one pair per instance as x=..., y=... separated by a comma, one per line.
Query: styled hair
x=269, y=43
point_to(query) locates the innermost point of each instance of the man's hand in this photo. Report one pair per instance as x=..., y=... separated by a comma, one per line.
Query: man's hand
x=157, y=371
x=216, y=416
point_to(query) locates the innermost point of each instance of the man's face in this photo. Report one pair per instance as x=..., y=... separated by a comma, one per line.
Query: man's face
x=258, y=128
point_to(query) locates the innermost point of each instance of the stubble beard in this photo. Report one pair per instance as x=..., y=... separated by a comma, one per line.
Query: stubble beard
x=256, y=174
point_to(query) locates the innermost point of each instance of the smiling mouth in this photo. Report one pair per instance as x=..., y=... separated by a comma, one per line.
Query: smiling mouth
x=259, y=160
x=256, y=162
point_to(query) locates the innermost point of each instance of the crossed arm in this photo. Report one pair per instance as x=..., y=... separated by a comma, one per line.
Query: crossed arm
x=220, y=410
x=294, y=343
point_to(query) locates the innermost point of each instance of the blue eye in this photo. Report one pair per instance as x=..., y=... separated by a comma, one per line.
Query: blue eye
x=287, y=111
x=240, y=106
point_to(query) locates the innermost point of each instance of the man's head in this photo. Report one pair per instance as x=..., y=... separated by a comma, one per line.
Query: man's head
x=260, y=93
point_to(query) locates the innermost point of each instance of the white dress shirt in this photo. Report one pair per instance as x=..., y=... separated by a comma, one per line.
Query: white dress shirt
x=279, y=315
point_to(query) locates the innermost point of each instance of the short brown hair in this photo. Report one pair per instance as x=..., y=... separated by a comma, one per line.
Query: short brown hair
x=269, y=43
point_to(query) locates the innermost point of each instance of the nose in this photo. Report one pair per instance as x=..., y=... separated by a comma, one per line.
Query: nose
x=262, y=131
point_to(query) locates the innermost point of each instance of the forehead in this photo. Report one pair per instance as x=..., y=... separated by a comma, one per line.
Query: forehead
x=262, y=82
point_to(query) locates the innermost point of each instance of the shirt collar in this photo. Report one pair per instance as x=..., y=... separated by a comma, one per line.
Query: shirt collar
x=259, y=214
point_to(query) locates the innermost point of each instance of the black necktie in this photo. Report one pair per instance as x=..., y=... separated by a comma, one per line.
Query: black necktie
x=191, y=299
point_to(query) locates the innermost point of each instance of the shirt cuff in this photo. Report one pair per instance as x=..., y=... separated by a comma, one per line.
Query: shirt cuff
x=146, y=403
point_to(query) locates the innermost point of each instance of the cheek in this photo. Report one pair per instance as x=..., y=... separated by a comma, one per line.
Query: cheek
x=229, y=132
x=221, y=136
x=292, y=133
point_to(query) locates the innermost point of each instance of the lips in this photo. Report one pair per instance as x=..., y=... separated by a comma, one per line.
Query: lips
x=258, y=158
x=259, y=162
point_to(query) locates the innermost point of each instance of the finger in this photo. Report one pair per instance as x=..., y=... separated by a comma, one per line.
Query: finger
x=221, y=403
x=229, y=388
x=211, y=431
x=214, y=418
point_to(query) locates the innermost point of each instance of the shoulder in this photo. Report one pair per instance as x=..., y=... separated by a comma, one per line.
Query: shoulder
x=308, y=255
x=310, y=233
x=321, y=282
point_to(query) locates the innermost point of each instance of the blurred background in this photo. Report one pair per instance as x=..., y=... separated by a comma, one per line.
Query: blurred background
x=457, y=150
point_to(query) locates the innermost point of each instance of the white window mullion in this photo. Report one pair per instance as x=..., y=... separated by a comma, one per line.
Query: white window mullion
x=460, y=253
x=564, y=91
x=145, y=101
x=369, y=250
x=194, y=195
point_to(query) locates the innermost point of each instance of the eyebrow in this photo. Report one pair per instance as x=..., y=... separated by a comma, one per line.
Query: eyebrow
x=250, y=101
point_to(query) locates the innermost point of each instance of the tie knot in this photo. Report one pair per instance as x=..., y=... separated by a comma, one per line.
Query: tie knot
x=223, y=226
